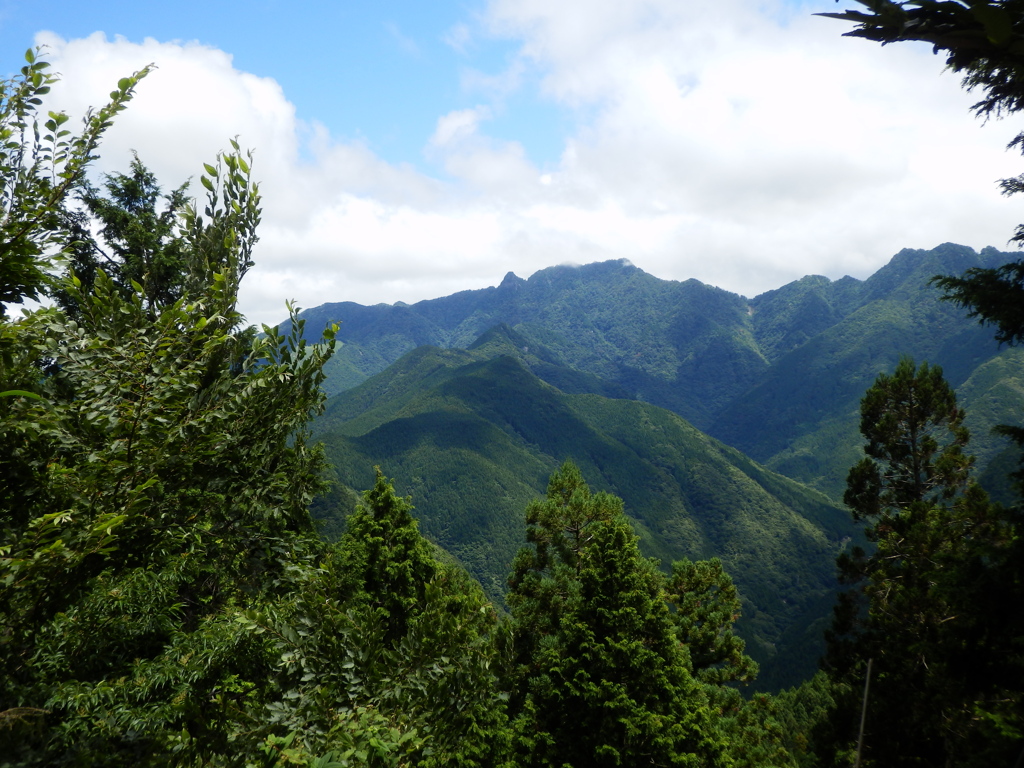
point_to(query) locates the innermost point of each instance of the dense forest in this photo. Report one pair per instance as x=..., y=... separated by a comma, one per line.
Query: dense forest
x=177, y=587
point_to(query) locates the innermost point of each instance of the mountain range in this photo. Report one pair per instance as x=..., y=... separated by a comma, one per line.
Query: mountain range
x=726, y=424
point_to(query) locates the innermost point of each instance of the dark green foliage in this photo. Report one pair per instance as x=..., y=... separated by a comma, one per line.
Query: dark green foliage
x=995, y=296
x=138, y=243
x=475, y=439
x=135, y=514
x=924, y=597
x=164, y=597
x=903, y=417
x=705, y=606
x=801, y=713
x=383, y=655
x=131, y=528
x=596, y=675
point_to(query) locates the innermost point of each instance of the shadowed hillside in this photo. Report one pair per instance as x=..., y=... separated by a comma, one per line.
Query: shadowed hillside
x=473, y=436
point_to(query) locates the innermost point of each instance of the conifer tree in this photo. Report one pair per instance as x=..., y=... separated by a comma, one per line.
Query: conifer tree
x=596, y=676
x=384, y=652
x=130, y=232
x=916, y=599
x=381, y=562
x=706, y=605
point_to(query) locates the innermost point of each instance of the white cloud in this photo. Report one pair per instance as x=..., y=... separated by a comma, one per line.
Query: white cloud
x=458, y=38
x=712, y=141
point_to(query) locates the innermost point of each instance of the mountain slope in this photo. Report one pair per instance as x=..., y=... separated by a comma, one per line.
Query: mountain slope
x=475, y=440
x=779, y=376
x=802, y=419
x=686, y=346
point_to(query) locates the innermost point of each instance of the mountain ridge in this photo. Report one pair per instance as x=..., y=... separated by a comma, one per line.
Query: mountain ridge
x=719, y=360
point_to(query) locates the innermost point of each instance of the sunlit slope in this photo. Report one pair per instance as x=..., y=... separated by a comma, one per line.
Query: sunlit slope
x=778, y=376
x=473, y=436
x=802, y=419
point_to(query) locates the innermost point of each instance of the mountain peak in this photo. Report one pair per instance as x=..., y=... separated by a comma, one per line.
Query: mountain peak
x=511, y=280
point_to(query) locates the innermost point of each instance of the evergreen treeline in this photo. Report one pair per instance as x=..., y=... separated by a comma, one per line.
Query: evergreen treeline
x=166, y=599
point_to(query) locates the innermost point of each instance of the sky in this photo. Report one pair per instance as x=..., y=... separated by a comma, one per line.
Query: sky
x=408, y=150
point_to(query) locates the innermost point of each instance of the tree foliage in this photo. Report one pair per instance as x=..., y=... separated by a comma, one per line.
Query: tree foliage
x=154, y=489
x=383, y=655
x=595, y=673
x=981, y=39
x=154, y=476
x=706, y=605
x=137, y=242
x=915, y=440
x=41, y=162
x=926, y=593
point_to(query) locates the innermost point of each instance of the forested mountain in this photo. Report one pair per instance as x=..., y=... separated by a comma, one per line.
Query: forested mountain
x=166, y=598
x=473, y=399
x=778, y=376
x=473, y=434
x=801, y=418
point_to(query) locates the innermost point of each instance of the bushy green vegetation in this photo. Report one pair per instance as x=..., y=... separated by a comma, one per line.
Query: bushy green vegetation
x=166, y=597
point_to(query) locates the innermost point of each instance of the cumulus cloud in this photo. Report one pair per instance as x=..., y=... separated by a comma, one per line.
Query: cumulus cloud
x=742, y=144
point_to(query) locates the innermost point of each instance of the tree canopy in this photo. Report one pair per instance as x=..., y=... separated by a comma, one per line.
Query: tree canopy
x=596, y=674
x=923, y=600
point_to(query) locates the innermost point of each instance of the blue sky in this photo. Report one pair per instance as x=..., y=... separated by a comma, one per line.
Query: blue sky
x=377, y=72
x=408, y=150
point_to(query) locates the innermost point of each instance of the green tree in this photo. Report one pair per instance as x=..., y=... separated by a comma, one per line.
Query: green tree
x=706, y=605
x=137, y=238
x=381, y=561
x=156, y=486
x=904, y=417
x=384, y=654
x=596, y=675
x=41, y=163
x=917, y=597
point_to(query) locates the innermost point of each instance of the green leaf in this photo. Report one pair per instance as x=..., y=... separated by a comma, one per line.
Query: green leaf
x=20, y=393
